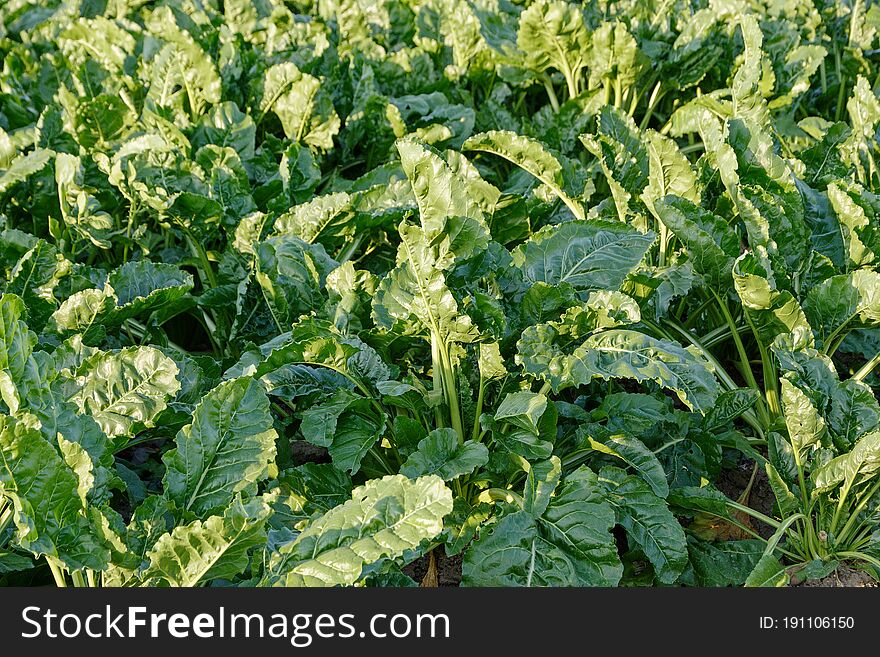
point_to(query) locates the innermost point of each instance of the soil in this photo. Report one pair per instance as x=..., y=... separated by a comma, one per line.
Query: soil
x=448, y=568
x=845, y=576
x=733, y=482
x=305, y=452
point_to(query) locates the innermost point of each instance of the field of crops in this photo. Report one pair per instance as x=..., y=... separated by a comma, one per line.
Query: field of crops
x=478, y=292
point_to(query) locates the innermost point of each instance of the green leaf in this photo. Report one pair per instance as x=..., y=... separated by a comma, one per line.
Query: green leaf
x=441, y=454
x=182, y=80
x=786, y=501
x=304, y=108
x=414, y=298
x=541, y=482
x=461, y=526
x=817, y=569
x=291, y=275
x=854, y=412
x=712, y=246
x=613, y=56
x=228, y=448
x=143, y=286
x=454, y=24
x=648, y=522
x=855, y=224
x=621, y=153
x=347, y=425
x=228, y=183
x=864, y=459
x=864, y=113
x=531, y=156
x=588, y=255
x=800, y=65
x=844, y=302
x=633, y=452
x=768, y=572
x=100, y=39
x=319, y=486
x=12, y=563
x=569, y=544
x=552, y=33
x=490, y=362
x=748, y=102
x=634, y=413
x=100, y=121
x=78, y=460
x=730, y=405
x=34, y=279
x=197, y=553
x=300, y=174
x=313, y=342
x=513, y=553
x=49, y=515
x=225, y=125
x=125, y=390
x=23, y=166
x=723, y=157
x=16, y=341
x=452, y=219
x=46, y=398
x=670, y=173
x=515, y=442
x=805, y=426
x=693, y=499
x=618, y=354
x=292, y=381
x=315, y=217
x=723, y=563
x=384, y=519
x=772, y=312
x=82, y=312
x=80, y=209
x=522, y=409
x=849, y=408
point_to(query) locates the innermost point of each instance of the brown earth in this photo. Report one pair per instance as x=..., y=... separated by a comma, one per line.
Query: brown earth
x=845, y=576
x=448, y=568
x=733, y=482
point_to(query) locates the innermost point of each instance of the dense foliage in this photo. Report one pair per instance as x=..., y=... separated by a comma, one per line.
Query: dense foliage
x=297, y=292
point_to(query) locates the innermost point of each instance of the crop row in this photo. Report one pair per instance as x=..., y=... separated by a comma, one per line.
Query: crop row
x=304, y=293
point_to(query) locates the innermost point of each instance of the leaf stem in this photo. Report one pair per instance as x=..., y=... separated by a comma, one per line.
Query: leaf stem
x=5, y=517
x=346, y=255
x=847, y=528
x=860, y=556
x=743, y=356
x=501, y=495
x=653, y=99
x=867, y=368
x=755, y=514
x=202, y=255
x=548, y=85
x=78, y=579
x=57, y=573
x=372, y=452
x=475, y=434
x=448, y=377
x=748, y=416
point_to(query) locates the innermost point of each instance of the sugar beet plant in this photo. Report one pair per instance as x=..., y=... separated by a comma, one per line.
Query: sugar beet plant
x=298, y=293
